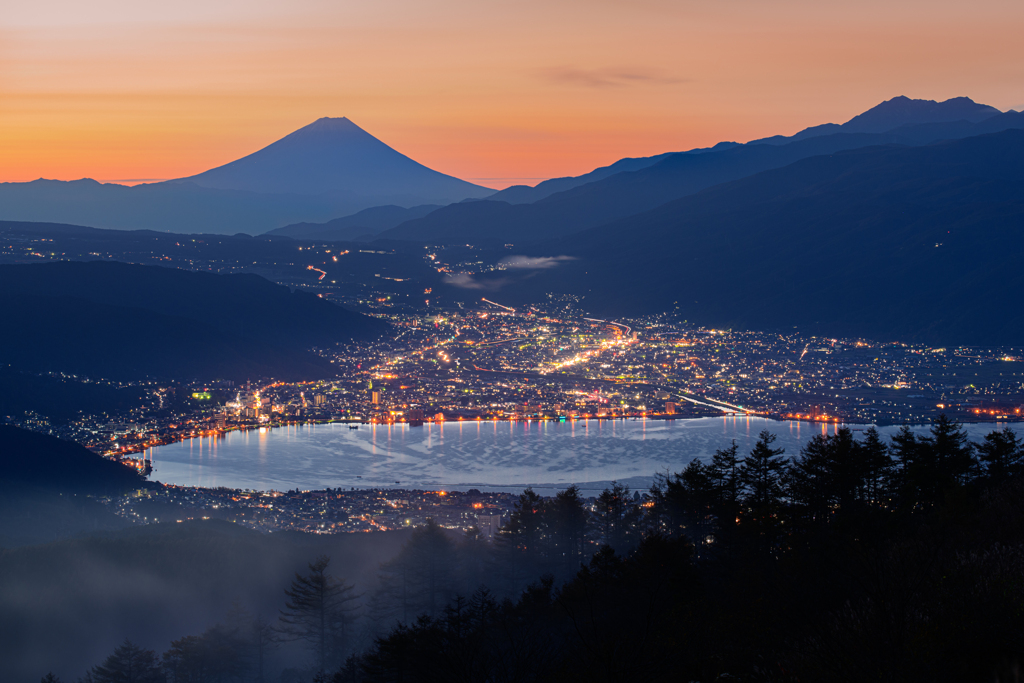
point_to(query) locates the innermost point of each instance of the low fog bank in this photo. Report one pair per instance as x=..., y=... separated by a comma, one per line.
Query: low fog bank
x=68, y=604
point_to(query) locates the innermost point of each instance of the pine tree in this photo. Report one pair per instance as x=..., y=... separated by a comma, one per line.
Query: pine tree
x=878, y=466
x=656, y=518
x=951, y=454
x=187, y=660
x=724, y=471
x=420, y=580
x=697, y=480
x=520, y=551
x=319, y=611
x=129, y=663
x=809, y=479
x=1002, y=454
x=849, y=470
x=761, y=477
x=617, y=518
x=566, y=521
x=526, y=523
x=829, y=476
x=432, y=558
x=692, y=493
x=264, y=638
x=906, y=452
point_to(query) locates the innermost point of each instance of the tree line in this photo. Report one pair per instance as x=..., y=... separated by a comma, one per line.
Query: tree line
x=856, y=559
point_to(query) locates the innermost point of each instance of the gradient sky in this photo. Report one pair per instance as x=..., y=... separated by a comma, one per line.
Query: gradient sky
x=493, y=92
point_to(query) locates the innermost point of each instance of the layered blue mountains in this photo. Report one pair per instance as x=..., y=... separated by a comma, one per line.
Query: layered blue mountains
x=330, y=168
x=904, y=223
x=887, y=242
x=644, y=184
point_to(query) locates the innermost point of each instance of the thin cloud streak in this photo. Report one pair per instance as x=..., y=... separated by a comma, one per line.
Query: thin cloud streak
x=613, y=77
x=530, y=264
x=466, y=281
x=533, y=262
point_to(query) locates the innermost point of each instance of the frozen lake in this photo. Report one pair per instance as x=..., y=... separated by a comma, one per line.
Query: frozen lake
x=478, y=454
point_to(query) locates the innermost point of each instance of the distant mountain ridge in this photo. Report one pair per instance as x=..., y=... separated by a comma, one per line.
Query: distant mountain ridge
x=524, y=194
x=892, y=114
x=365, y=223
x=888, y=115
x=333, y=168
x=326, y=169
x=169, y=207
x=888, y=243
x=672, y=177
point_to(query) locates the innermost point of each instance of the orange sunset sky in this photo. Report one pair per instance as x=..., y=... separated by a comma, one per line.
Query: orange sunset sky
x=493, y=92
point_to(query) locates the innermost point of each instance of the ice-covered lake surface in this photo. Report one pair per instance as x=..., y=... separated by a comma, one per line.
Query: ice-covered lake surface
x=492, y=456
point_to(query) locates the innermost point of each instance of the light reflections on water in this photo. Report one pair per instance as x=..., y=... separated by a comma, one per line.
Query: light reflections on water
x=506, y=455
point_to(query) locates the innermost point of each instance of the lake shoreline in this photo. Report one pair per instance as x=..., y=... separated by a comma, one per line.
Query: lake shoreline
x=458, y=455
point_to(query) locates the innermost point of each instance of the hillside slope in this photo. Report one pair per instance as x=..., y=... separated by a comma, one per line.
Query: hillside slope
x=366, y=222
x=44, y=462
x=891, y=114
x=674, y=177
x=47, y=487
x=129, y=321
x=912, y=243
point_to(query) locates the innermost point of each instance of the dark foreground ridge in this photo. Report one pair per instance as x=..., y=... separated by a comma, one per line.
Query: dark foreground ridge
x=128, y=321
x=48, y=489
x=40, y=461
x=852, y=560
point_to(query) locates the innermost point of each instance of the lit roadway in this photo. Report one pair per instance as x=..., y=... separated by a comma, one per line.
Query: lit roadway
x=622, y=331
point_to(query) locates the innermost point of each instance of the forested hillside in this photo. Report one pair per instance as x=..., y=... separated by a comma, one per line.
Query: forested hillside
x=853, y=560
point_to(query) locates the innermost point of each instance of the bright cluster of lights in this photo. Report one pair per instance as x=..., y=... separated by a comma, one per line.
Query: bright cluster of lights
x=585, y=355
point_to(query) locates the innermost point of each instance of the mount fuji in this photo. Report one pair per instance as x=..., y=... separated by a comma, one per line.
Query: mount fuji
x=330, y=168
x=335, y=157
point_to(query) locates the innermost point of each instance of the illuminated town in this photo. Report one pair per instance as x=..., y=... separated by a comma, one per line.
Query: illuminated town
x=552, y=362
x=476, y=358
x=320, y=512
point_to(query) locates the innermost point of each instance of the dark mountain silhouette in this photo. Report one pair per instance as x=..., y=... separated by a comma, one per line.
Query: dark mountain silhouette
x=62, y=399
x=128, y=321
x=675, y=176
x=910, y=243
x=333, y=156
x=903, y=111
x=899, y=111
x=524, y=194
x=83, y=338
x=327, y=169
x=365, y=223
x=243, y=304
x=170, y=207
x=47, y=463
x=47, y=487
